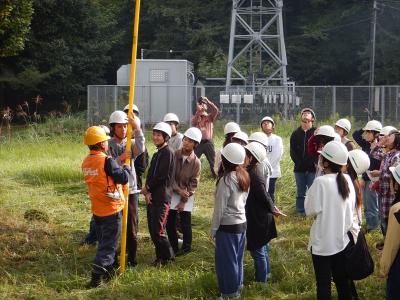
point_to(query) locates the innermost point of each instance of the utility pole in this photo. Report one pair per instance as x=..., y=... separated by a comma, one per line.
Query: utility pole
x=372, y=57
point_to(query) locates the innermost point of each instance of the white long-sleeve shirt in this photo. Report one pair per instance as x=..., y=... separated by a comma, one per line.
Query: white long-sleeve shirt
x=274, y=154
x=328, y=234
x=265, y=170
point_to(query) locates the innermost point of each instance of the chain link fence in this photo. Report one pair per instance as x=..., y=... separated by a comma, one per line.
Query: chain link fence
x=245, y=106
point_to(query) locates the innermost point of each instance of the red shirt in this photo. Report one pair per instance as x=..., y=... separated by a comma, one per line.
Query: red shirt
x=204, y=121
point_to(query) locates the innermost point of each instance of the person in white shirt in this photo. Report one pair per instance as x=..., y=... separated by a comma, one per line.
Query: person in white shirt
x=265, y=167
x=230, y=129
x=274, y=153
x=175, y=142
x=331, y=199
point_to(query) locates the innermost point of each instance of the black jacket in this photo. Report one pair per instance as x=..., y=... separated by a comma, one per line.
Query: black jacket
x=366, y=147
x=298, y=150
x=259, y=207
x=160, y=175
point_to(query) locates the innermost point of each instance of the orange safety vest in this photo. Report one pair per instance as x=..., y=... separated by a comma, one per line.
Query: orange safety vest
x=100, y=184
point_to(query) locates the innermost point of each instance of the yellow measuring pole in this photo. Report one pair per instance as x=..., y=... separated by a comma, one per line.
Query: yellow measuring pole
x=122, y=258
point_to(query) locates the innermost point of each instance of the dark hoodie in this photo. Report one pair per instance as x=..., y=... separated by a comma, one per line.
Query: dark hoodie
x=303, y=162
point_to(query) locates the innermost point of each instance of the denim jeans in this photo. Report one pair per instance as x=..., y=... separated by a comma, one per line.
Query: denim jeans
x=371, y=210
x=261, y=263
x=91, y=238
x=392, y=283
x=271, y=188
x=229, y=253
x=303, y=182
x=108, y=231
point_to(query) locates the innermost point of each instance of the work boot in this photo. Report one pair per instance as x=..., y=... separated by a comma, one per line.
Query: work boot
x=111, y=272
x=95, y=281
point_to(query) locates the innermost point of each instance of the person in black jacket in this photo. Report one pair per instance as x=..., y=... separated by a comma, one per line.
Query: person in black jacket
x=260, y=211
x=304, y=164
x=367, y=139
x=158, y=192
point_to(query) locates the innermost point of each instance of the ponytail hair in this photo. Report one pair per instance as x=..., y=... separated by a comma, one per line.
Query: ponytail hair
x=341, y=181
x=343, y=185
x=241, y=174
x=357, y=187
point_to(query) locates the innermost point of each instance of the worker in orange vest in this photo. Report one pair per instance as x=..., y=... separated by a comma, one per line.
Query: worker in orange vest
x=104, y=178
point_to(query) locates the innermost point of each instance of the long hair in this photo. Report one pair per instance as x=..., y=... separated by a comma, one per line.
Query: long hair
x=241, y=174
x=341, y=181
x=228, y=139
x=357, y=186
x=252, y=163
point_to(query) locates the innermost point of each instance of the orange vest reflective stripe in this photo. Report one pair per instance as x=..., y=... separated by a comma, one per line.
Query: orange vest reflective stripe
x=99, y=184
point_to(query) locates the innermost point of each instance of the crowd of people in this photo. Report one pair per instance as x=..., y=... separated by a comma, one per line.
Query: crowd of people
x=327, y=167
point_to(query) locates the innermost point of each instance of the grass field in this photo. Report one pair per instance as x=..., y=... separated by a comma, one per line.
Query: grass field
x=40, y=169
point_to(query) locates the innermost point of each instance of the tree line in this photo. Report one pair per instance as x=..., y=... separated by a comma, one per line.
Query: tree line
x=55, y=48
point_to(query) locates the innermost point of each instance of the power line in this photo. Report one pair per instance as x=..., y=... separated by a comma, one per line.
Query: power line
x=335, y=28
x=392, y=7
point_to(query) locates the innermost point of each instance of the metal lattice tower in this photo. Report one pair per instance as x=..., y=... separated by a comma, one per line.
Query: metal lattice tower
x=257, y=53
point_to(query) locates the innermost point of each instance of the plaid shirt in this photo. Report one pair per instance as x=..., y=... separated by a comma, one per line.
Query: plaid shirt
x=386, y=194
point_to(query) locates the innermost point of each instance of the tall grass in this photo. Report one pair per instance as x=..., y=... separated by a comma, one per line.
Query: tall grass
x=40, y=169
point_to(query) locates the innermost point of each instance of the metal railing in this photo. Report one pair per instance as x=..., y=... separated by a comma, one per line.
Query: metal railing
x=244, y=106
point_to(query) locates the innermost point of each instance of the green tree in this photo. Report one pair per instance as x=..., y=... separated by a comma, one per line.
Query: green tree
x=15, y=19
x=68, y=48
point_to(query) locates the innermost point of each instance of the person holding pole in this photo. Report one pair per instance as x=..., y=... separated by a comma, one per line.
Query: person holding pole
x=158, y=192
x=104, y=177
x=117, y=149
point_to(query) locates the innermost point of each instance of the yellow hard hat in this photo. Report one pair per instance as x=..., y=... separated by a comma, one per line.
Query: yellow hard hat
x=94, y=135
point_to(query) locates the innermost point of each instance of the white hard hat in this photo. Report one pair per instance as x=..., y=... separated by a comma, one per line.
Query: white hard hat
x=260, y=137
x=194, y=134
x=106, y=129
x=307, y=109
x=387, y=130
x=257, y=150
x=359, y=160
x=135, y=108
x=345, y=124
x=326, y=130
x=241, y=136
x=171, y=117
x=231, y=127
x=396, y=172
x=164, y=127
x=234, y=153
x=119, y=117
x=268, y=119
x=373, y=125
x=337, y=137
x=335, y=152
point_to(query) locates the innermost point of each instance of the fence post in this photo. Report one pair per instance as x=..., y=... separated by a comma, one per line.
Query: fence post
x=313, y=97
x=383, y=106
x=351, y=100
x=115, y=97
x=333, y=100
x=397, y=103
x=238, y=113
